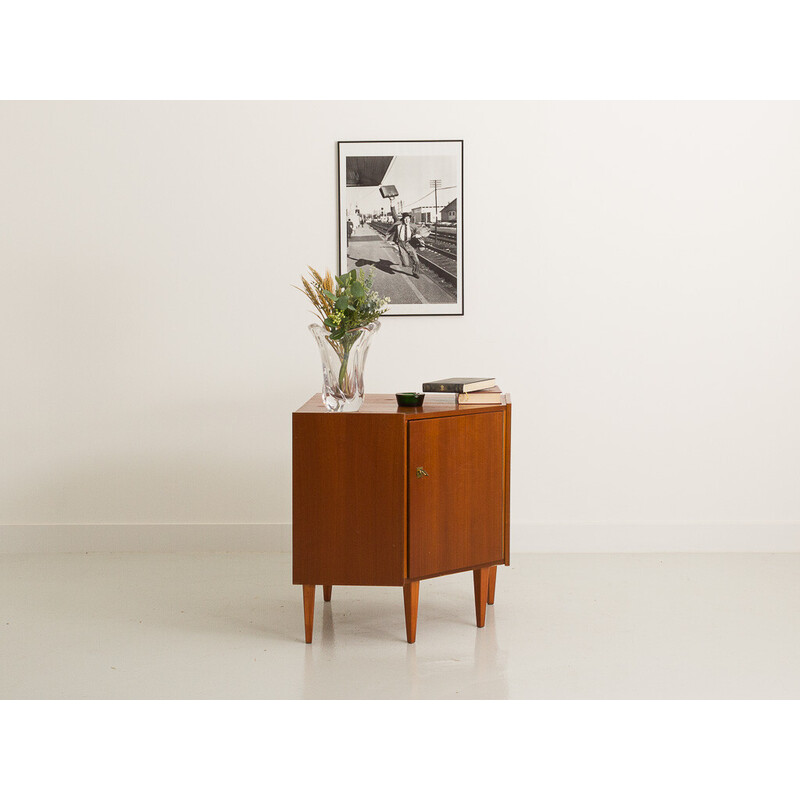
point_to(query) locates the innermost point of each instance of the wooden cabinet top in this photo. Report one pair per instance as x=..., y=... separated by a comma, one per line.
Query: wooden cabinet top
x=435, y=405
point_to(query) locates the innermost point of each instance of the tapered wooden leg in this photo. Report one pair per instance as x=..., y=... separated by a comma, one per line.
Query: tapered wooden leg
x=480, y=578
x=492, y=582
x=308, y=609
x=326, y=592
x=411, y=601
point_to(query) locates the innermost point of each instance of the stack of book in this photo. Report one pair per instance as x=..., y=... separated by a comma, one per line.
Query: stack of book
x=468, y=391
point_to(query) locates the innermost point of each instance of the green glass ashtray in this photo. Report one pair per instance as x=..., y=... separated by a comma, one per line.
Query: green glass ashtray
x=409, y=399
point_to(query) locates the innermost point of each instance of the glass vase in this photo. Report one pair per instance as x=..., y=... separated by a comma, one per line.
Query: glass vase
x=343, y=365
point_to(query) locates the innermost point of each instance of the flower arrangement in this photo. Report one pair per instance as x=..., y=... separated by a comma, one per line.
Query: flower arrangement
x=348, y=308
x=346, y=302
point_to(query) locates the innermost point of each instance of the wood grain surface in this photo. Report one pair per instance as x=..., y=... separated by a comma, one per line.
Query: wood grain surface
x=411, y=604
x=349, y=499
x=507, y=486
x=456, y=511
x=480, y=579
x=309, y=591
x=437, y=404
x=492, y=585
x=363, y=517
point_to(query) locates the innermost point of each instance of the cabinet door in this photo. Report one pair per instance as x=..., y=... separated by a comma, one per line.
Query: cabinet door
x=349, y=499
x=456, y=504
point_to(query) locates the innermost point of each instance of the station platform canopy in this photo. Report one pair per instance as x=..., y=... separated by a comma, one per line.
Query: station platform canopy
x=367, y=170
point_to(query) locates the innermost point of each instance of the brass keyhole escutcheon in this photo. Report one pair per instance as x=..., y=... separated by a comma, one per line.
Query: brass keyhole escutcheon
x=421, y=473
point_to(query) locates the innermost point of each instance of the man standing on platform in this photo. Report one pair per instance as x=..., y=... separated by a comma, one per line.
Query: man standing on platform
x=400, y=234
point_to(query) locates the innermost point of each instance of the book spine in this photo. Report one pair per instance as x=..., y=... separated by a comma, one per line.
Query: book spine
x=480, y=399
x=443, y=387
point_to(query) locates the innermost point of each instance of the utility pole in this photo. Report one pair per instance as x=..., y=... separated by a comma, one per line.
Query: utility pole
x=435, y=184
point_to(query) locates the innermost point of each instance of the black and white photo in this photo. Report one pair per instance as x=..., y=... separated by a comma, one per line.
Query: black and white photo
x=400, y=211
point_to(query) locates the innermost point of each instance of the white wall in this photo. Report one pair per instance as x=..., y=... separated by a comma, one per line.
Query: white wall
x=632, y=278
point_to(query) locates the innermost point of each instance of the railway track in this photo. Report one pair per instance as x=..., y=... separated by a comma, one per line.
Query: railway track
x=441, y=262
x=445, y=243
x=445, y=271
x=447, y=239
x=447, y=253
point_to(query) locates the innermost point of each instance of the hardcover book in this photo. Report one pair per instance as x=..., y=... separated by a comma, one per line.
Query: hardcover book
x=492, y=396
x=458, y=385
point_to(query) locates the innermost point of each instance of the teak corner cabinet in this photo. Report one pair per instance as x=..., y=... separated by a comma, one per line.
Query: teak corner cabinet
x=390, y=496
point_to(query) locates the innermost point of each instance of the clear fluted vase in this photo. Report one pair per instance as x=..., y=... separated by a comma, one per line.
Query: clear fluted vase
x=343, y=365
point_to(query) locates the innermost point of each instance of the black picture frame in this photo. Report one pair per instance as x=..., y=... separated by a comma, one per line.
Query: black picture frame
x=377, y=180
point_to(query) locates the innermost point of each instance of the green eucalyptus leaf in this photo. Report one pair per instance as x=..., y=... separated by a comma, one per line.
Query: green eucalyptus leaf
x=342, y=301
x=357, y=290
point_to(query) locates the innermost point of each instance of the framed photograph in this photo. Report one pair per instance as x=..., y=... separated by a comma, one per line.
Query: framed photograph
x=401, y=211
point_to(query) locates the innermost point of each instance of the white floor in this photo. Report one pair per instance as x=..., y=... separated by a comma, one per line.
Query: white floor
x=145, y=626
